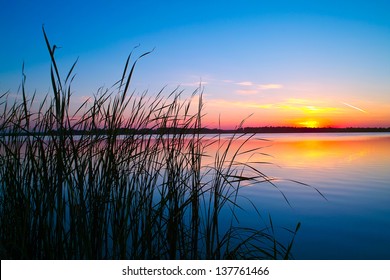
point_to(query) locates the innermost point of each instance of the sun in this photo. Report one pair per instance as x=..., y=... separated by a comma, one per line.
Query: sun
x=309, y=124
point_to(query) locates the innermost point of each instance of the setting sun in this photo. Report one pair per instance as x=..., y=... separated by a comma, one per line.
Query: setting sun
x=309, y=123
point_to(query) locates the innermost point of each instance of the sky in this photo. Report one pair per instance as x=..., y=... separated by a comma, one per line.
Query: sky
x=272, y=63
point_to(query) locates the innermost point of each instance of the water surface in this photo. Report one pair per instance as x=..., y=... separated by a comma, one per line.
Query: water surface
x=351, y=170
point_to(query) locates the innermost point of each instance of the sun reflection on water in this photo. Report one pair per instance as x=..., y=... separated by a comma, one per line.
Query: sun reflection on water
x=350, y=170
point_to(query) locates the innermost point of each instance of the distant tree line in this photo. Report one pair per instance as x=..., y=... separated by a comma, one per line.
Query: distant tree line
x=174, y=130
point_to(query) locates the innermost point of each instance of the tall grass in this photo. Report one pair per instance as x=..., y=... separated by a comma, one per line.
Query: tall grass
x=121, y=177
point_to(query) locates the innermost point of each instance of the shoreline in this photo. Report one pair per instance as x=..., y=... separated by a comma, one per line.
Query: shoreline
x=246, y=130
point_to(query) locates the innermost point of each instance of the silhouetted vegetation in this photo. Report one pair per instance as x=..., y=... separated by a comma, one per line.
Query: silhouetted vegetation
x=121, y=177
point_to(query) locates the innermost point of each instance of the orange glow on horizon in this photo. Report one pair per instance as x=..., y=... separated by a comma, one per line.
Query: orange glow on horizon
x=292, y=112
x=309, y=124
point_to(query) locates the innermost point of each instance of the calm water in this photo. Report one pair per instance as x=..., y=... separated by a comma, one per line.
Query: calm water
x=351, y=170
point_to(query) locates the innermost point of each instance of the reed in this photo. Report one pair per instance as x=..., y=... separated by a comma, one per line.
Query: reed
x=121, y=177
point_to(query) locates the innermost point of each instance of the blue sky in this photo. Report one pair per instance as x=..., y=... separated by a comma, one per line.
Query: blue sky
x=284, y=61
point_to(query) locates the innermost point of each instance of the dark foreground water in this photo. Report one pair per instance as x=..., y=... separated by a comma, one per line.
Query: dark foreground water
x=352, y=171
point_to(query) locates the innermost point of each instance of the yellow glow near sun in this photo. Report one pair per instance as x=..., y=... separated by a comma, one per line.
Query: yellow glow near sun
x=310, y=124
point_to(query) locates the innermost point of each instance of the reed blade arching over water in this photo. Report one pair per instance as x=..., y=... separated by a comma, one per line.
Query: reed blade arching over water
x=121, y=177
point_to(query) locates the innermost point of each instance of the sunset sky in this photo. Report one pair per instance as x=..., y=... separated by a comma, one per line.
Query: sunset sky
x=295, y=63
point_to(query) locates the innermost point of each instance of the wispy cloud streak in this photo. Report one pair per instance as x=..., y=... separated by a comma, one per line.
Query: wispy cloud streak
x=270, y=86
x=354, y=107
x=247, y=83
x=260, y=86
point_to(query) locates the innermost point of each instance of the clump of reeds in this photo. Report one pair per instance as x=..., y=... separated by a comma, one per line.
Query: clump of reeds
x=121, y=177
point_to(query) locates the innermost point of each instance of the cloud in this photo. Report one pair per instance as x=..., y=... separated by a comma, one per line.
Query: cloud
x=260, y=86
x=251, y=88
x=270, y=86
x=354, y=107
x=247, y=91
x=308, y=109
x=298, y=101
x=286, y=106
x=195, y=84
x=240, y=104
x=247, y=83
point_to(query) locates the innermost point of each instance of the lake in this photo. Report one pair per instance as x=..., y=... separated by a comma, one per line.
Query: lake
x=337, y=185
x=351, y=219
